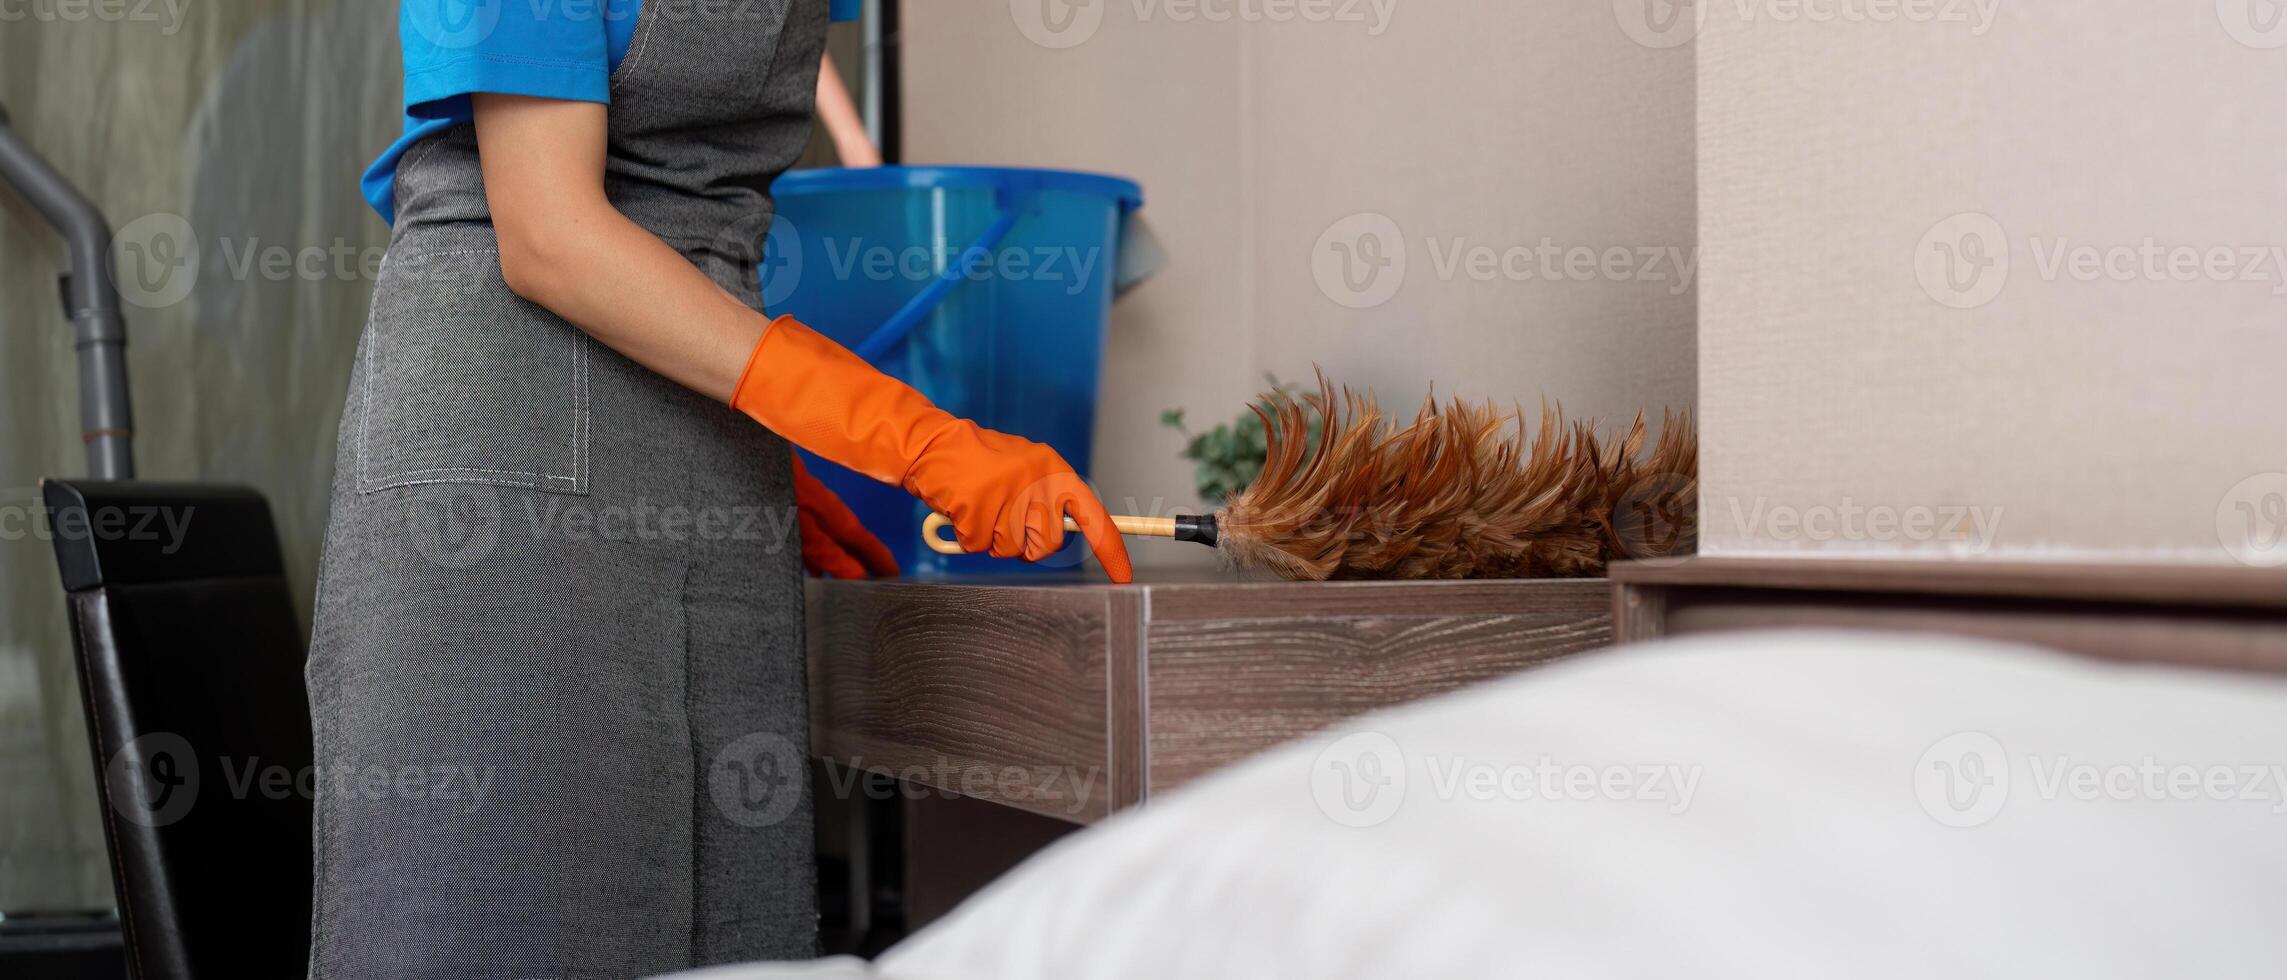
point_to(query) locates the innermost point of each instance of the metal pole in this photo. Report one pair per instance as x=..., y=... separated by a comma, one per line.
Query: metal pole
x=99, y=332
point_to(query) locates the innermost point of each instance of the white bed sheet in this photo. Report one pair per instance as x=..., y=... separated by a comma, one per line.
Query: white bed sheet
x=1762, y=805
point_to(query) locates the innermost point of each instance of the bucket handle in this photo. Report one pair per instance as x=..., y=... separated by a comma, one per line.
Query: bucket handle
x=926, y=301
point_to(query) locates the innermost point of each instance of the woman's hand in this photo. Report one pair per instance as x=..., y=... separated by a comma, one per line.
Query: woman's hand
x=1009, y=496
x=834, y=544
x=1005, y=495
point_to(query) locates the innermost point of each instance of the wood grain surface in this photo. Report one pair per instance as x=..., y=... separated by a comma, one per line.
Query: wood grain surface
x=1234, y=671
x=958, y=687
x=2143, y=584
x=1075, y=700
x=2188, y=615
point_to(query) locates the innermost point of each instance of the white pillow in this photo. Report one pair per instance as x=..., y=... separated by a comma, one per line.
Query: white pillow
x=1746, y=805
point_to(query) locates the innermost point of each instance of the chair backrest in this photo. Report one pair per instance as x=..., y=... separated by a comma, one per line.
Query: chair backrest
x=190, y=659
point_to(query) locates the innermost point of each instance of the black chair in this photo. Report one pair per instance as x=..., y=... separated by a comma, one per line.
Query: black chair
x=190, y=658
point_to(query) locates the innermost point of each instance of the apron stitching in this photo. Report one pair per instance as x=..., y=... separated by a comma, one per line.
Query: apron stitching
x=434, y=142
x=424, y=256
x=700, y=774
x=480, y=469
x=500, y=481
x=580, y=421
x=642, y=45
x=372, y=345
x=368, y=484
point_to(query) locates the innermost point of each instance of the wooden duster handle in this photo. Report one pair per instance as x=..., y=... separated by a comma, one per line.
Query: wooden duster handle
x=1179, y=527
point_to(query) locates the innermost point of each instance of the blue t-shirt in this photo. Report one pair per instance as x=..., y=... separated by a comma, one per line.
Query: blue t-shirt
x=555, y=49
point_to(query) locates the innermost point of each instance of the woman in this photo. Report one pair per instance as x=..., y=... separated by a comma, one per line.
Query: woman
x=557, y=673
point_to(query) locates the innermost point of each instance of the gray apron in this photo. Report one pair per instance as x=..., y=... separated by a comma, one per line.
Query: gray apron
x=556, y=674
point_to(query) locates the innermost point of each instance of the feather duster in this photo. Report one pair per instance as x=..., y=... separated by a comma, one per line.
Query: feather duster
x=1466, y=490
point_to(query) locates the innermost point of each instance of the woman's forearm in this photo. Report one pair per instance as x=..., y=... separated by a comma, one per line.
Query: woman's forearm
x=564, y=247
x=618, y=282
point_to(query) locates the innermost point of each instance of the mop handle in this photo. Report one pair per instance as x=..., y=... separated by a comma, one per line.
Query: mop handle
x=1181, y=528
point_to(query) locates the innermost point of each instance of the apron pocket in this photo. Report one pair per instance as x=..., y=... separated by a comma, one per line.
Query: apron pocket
x=465, y=382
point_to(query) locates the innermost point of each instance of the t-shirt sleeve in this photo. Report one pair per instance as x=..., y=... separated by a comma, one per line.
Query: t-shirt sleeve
x=454, y=48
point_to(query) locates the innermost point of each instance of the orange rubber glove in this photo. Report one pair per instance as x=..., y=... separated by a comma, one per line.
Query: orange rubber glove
x=1005, y=495
x=834, y=544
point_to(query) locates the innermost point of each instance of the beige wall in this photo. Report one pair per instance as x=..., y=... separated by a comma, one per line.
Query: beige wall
x=2077, y=417
x=1480, y=124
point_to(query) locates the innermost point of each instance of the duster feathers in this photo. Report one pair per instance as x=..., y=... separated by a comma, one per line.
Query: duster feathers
x=1458, y=493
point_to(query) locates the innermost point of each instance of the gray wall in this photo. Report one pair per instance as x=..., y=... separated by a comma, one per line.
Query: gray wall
x=249, y=120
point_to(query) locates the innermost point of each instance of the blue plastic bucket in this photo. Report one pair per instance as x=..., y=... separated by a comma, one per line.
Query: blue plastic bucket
x=989, y=289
